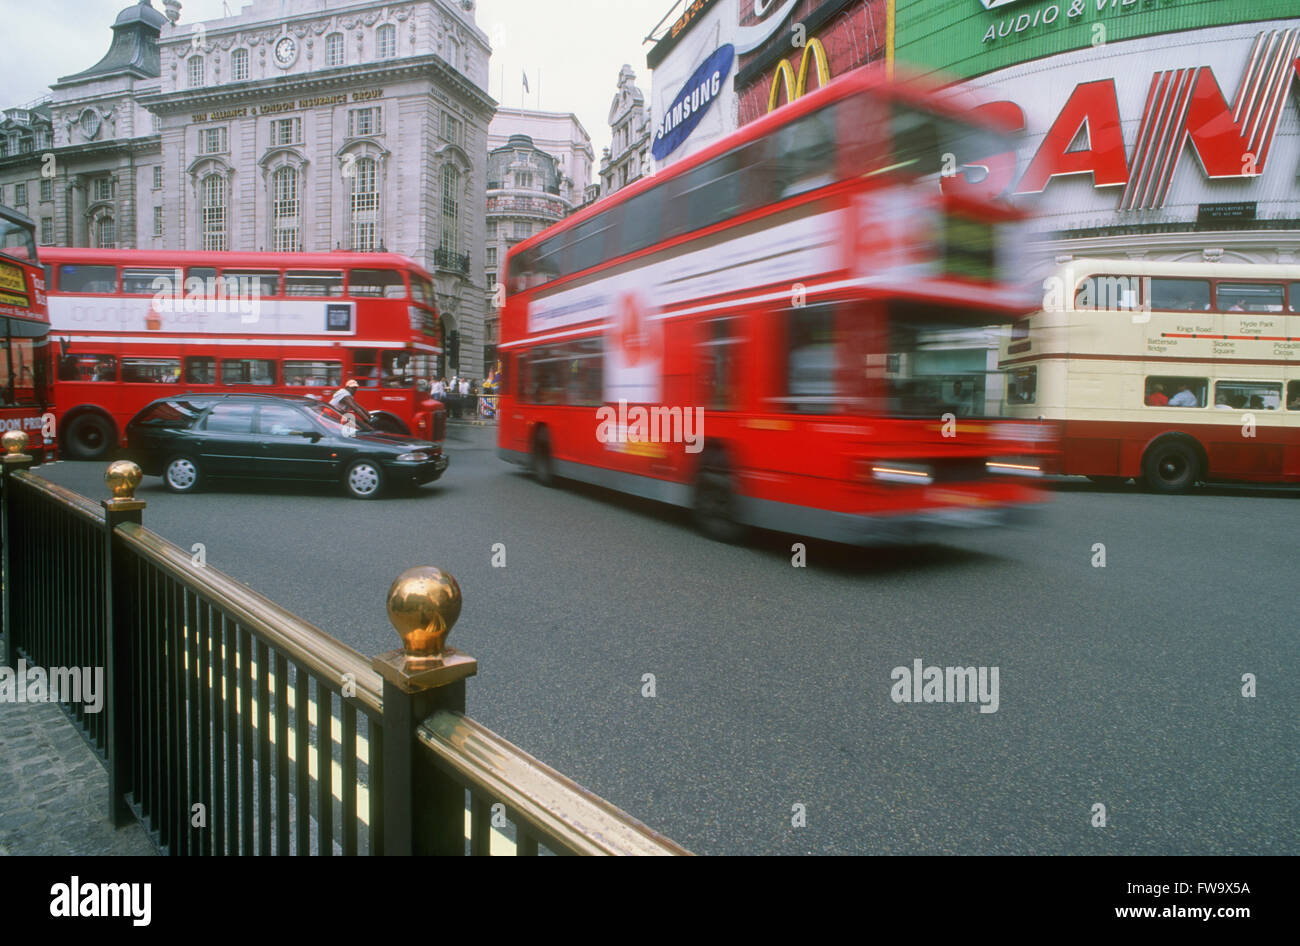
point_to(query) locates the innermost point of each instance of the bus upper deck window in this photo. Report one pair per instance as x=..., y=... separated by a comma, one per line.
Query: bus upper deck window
x=137, y=281
x=256, y=284
x=379, y=283
x=1249, y=297
x=87, y=278
x=313, y=283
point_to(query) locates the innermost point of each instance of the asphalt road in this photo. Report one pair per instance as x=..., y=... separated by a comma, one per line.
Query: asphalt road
x=1118, y=686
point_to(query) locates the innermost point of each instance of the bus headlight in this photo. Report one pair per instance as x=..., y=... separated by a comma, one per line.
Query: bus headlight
x=913, y=474
x=1014, y=466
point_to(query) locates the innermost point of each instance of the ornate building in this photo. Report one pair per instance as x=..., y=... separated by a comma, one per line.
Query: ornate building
x=307, y=125
x=628, y=156
x=539, y=171
x=82, y=164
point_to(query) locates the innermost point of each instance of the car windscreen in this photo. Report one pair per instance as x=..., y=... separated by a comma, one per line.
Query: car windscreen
x=336, y=422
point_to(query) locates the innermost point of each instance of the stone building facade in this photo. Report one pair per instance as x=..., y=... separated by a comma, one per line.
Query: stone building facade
x=628, y=156
x=295, y=125
x=539, y=171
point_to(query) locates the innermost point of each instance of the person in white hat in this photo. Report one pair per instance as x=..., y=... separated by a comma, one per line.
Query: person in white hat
x=344, y=402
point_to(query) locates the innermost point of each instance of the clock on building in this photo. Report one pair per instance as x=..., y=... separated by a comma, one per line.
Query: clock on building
x=286, y=51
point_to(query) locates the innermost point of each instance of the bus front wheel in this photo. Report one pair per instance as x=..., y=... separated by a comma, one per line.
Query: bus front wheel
x=1171, y=467
x=89, y=437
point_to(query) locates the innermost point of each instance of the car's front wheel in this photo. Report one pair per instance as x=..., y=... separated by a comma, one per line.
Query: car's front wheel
x=364, y=480
x=182, y=474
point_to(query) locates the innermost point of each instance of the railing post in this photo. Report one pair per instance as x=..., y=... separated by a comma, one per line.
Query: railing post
x=424, y=809
x=122, y=477
x=14, y=442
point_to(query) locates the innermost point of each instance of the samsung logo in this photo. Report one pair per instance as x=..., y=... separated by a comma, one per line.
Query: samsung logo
x=684, y=113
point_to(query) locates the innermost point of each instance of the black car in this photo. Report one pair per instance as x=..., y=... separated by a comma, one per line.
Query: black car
x=188, y=438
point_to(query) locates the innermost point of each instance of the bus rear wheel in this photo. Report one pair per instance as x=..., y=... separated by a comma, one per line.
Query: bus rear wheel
x=1171, y=467
x=89, y=437
x=543, y=464
x=714, y=506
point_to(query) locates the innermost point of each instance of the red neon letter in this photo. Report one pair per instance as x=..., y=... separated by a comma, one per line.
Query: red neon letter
x=1096, y=104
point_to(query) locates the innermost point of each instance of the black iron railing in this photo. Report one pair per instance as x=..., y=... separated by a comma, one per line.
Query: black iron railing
x=231, y=726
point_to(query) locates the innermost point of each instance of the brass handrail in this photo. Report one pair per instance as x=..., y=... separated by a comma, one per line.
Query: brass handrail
x=566, y=816
x=75, y=501
x=303, y=642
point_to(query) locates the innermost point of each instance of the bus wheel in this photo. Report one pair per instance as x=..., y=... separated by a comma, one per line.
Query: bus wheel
x=387, y=424
x=1171, y=467
x=181, y=475
x=89, y=437
x=715, y=501
x=543, y=464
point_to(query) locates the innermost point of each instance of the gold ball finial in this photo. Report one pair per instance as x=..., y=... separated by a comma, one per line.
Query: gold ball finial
x=122, y=477
x=15, y=442
x=423, y=604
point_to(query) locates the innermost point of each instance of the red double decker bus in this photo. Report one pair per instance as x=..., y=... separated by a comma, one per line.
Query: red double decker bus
x=788, y=330
x=24, y=330
x=136, y=325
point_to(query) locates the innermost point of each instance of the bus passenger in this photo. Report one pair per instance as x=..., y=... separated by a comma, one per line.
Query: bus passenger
x=1184, y=397
x=1157, y=397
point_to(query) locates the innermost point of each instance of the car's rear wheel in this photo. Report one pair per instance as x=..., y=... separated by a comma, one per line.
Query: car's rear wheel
x=89, y=437
x=364, y=479
x=182, y=474
x=1171, y=467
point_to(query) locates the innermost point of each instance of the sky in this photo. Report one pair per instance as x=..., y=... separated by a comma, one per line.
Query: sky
x=571, y=50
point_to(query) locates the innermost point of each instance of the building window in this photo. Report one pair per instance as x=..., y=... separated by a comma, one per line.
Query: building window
x=157, y=178
x=365, y=205
x=524, y=180
x=212, y=191
x=20, y=195
x=157, y=221
x=491, y=259
x=450, y=209
x=103, y=188
x=492, y=230
x=195, y=68
x=386, y=41
x=334, y=49
x=47, y=189
x=363, y=122
x=286, y=131
x=239, y=65
x=284, y=210
x=105, y=232
x=212, y=141
x=43, y=138
x=453, y=129
x=47, y=231
x=157, y=123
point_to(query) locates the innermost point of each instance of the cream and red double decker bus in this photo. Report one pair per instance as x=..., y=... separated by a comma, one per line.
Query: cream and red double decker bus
x=24, y=330
x=1174, y=373
x=785, y=330
x=136, y=325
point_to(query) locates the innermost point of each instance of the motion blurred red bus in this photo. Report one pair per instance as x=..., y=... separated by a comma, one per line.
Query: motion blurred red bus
x=24, y=330
x=136, y=325
x=807, y=292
